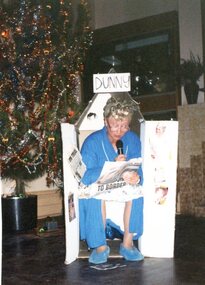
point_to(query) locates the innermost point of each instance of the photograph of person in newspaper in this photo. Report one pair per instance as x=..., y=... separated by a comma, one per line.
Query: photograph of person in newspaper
x=114, y=142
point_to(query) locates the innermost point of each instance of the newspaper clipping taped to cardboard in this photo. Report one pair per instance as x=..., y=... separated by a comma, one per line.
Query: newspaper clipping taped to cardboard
x=76, y=163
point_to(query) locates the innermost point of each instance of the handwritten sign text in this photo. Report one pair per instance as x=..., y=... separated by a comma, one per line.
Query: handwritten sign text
x=111, y=82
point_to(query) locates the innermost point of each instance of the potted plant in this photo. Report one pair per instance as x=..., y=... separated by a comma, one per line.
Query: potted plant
x=19, y=209
x=190, y=71
x=19, y=213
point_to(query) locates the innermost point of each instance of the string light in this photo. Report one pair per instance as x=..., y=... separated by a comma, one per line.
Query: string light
x=41, y=60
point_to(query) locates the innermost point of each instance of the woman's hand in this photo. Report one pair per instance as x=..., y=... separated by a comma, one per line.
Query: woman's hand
x=131, y=177
x=120, y=157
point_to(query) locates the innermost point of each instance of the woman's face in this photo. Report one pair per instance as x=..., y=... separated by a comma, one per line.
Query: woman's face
x=116, y=128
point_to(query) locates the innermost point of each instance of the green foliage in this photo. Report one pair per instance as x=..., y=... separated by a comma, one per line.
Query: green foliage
x=191, y=69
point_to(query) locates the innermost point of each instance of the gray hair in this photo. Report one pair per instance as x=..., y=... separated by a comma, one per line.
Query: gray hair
x=120, y=106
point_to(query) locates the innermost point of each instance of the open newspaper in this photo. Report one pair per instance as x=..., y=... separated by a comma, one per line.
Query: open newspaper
x=110, y=186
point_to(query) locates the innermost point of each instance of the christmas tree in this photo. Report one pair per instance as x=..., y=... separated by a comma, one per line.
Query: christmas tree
x=43, y=46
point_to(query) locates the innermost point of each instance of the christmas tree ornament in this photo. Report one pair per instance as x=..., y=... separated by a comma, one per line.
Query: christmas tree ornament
x=43, y=46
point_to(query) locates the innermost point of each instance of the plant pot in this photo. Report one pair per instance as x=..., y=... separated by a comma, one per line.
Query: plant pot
x=191, y=89
x=19, y=214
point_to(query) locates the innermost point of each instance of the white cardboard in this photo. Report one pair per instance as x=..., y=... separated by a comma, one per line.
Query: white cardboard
x=93, y=116
x=72, y=238
x=160, y=169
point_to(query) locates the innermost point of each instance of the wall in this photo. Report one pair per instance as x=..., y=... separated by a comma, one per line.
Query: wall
x=190, y=22
x=190, y=34
x=49, y=203
x=36, y=185
x=191, y=159
x=112, y=12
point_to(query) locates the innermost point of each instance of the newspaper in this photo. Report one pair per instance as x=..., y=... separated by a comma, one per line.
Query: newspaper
x=111, y=186
x=76, y=163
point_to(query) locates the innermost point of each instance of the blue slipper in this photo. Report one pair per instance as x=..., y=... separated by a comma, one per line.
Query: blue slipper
x=99, y=257
x=131, y=254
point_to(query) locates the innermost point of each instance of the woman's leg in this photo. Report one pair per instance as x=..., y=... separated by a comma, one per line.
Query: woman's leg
x=103, y=209
x=94, y=230
x=127, y=250
x=100, y=251
x=128, y=237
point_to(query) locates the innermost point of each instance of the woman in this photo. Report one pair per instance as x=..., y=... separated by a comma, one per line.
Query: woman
x=99, y=147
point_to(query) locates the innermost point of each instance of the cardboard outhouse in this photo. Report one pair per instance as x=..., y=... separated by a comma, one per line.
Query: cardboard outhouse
x=159, y=154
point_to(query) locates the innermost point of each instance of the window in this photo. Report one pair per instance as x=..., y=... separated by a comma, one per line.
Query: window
x=147, y=59
x=149, y=53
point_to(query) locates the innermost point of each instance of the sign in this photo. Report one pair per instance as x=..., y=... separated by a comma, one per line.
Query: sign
x=111, y=82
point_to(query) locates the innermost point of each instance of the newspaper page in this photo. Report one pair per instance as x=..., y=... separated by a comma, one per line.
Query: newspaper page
x=111, y=186
x=76, y=163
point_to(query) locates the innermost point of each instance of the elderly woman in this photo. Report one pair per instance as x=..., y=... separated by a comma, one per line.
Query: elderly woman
x=99, y=147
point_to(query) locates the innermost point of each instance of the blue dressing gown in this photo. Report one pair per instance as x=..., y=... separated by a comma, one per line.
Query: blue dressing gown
x=97, y=149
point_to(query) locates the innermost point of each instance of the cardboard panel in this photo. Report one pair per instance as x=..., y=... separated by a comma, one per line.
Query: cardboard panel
x=70, y=196
x=159, y=152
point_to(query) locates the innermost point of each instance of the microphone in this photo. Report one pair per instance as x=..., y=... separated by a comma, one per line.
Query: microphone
x=119, y=145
